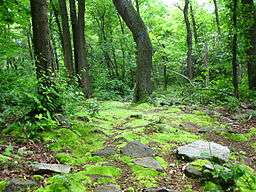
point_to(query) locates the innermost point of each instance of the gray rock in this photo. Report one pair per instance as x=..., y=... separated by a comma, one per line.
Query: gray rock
x=136, y=149
x=107, y=151
x=57, y=168
x=193, y=171
x=62, y=120
x=157, y=190
x=149, y=162
x=204, y=150
x=19, y=185
x=107, y=188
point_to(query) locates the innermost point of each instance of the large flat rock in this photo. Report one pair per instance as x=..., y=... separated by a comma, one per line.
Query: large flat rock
x=137, y=150
x=57, y=168
x=149, y=162
x=107, y=151
x=204, y=150
x=157, y=190
x=107, y=188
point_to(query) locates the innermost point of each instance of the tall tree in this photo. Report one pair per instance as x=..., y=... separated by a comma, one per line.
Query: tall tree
x=217, y=18
x=189, y=60
x=44, y=59
x=80, y=53
x=235, y=64
x=67, y=46
x=143, y=87
x=249, y=16
x=193, y=19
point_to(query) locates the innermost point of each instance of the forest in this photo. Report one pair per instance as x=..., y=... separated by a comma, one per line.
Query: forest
x=128, y=96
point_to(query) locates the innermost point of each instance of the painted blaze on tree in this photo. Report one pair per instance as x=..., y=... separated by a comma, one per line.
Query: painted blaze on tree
x=131, y=17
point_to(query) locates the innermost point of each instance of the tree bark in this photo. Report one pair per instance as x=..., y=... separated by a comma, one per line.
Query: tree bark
x=249, y=15
x=194, y=23
x=235, y=64
x=43, y=54
x=143, y=87
x=189, y=60
x=67, y=46
x=81, y=63
x=217, y=18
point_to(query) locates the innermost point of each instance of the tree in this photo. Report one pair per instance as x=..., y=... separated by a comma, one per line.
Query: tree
x=80, y=53
x=44, y=59
x=217, y=18
x=143, y=87
x=67, y=46
x=235, y=64
x=189, y=60
x=249, y=15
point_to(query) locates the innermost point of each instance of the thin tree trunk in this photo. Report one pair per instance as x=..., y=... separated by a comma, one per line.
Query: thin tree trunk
x=194, y=23
x=189, y=41
x=67, y=46
x=249, y=16
x=235, y=64
x=81, y=63
x=143, y=87
x=217, y=18
x=206, y=65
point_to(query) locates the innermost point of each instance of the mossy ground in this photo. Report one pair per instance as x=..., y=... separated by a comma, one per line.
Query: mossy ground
x=116, y=123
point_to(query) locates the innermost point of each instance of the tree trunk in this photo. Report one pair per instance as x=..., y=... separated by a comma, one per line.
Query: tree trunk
x=81, y=64
x=43, y=54
x=249, y=15
x=143, y=87
x=217, y=18
x=189, y=41
x=194, y=23
x=67, y=46
x=235, y=64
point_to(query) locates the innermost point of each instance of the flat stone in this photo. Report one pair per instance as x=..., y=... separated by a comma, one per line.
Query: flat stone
x=157, y=190
x=149, y=162
x=57, y=168
x=19, y=185
x=107, y=151
x=204, y=150
x=108, y=188
x=137, y=150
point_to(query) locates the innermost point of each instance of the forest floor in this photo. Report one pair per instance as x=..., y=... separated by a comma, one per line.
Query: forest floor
x=162, y=128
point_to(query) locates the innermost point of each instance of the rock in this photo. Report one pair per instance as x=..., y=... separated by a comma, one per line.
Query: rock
x=136, y=149
x=204, y=150
x=157, y=190
x=19, y=185
x=107, y=188
x=62, y=120
x=193, y=171
x=136, y=116
x=57, y=168
x=107, y=151
x=149, y=162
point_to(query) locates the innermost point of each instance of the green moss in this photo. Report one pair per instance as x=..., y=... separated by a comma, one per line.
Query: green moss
x=200, y=163
x=162, y=162
x=212, y=187
x=3, y=185
x=38, y=177
x=77, y=182
x=110, y=171
x=177, y=137
x=241, y=137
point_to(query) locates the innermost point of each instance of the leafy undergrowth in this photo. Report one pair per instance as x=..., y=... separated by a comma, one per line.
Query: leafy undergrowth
x=115, y=124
